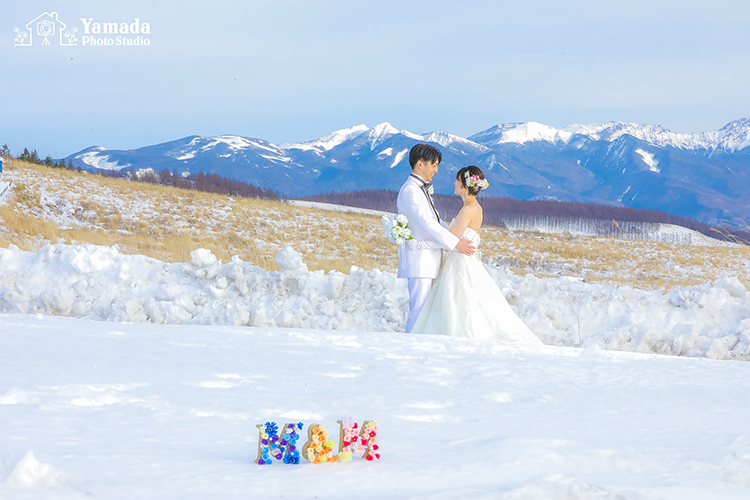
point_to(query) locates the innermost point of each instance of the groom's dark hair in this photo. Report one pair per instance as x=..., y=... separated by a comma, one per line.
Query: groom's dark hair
x=424, y=152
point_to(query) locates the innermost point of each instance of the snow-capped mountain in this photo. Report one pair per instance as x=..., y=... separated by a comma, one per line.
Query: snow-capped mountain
x=732, y=137
x=250, y=160
x=702, y=175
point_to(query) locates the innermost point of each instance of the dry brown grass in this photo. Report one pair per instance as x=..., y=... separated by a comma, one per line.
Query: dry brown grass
x=50, y=205
x=169, y=223
x=640, y=264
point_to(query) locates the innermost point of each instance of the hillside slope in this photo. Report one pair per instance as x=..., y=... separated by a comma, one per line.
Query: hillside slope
x=47, y=205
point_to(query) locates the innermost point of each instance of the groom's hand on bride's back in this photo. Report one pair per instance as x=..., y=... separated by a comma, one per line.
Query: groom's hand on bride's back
x=465, y=247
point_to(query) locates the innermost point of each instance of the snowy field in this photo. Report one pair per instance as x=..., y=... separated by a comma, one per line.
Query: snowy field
x=95, y=282
x=93, y=409
x=122, y=376
x=334, y=208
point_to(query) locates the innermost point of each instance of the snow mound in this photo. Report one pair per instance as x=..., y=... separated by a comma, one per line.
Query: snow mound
x=202, y=258
x=290, y=260
x=88, y=281
x=31, y=474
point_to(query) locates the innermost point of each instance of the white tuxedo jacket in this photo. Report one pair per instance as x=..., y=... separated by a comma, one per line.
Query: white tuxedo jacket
x=415, y=261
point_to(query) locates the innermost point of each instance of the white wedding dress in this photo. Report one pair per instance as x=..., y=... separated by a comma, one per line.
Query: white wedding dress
x=465, y=302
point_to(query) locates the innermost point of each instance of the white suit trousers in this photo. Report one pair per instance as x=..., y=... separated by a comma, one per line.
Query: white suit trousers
x=419, y=289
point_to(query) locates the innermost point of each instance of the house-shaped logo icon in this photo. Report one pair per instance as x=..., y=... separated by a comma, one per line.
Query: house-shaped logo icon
x=47, y=27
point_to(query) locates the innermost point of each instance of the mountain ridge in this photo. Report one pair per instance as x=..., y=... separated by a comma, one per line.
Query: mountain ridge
x=699, y=175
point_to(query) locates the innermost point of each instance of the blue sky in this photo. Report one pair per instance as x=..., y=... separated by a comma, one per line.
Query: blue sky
x=289, y=71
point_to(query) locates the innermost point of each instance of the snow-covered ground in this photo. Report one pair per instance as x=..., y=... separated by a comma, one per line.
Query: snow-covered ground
x=95, y=282
x=102, y=410
x=334, y=208
x=156, y=390
x=134, y=213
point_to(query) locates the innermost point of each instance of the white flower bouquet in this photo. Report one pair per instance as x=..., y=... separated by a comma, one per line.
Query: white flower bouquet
x=397, y=228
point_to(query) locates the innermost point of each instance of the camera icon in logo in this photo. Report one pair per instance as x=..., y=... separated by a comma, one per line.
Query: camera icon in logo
x=45, y=28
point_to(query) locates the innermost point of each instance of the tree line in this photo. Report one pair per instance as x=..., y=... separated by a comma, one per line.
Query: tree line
x=209, y=183
x=33, y=157
x=498, y=210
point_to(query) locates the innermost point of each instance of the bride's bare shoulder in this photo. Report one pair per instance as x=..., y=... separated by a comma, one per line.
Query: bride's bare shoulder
x=472, y=208
x=473, y=212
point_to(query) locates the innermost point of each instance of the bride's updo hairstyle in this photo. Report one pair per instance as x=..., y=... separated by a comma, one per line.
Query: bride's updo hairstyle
x=473, y=178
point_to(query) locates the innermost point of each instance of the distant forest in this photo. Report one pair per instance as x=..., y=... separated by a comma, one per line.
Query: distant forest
x=209, y=183
x=498, y=211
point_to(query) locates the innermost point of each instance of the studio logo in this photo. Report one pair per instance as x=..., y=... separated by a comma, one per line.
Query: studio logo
x=46, y=29
x=93, y=32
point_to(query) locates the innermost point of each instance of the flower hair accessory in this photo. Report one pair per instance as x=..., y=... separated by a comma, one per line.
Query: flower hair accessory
x=474, y=180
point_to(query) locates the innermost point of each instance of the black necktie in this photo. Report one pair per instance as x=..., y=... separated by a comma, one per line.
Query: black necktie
x=425, y=186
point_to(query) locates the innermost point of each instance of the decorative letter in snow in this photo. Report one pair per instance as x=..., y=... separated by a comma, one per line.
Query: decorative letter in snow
x=319, y=448
x=281, y=445
x=272, y=447
x=358, y=442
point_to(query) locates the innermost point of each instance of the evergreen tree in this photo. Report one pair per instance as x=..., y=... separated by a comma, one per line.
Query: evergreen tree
x=49, y=161
x=24, y=156
x=70, y=164
x=34, y=157
x=5, y=152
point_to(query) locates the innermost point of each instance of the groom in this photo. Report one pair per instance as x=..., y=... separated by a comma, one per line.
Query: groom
x=419, y=259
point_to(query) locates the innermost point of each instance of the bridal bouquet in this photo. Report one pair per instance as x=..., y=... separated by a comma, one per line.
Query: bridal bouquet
x=397, y=228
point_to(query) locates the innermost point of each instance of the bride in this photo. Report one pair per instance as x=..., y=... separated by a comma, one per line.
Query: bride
x=464, y=300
